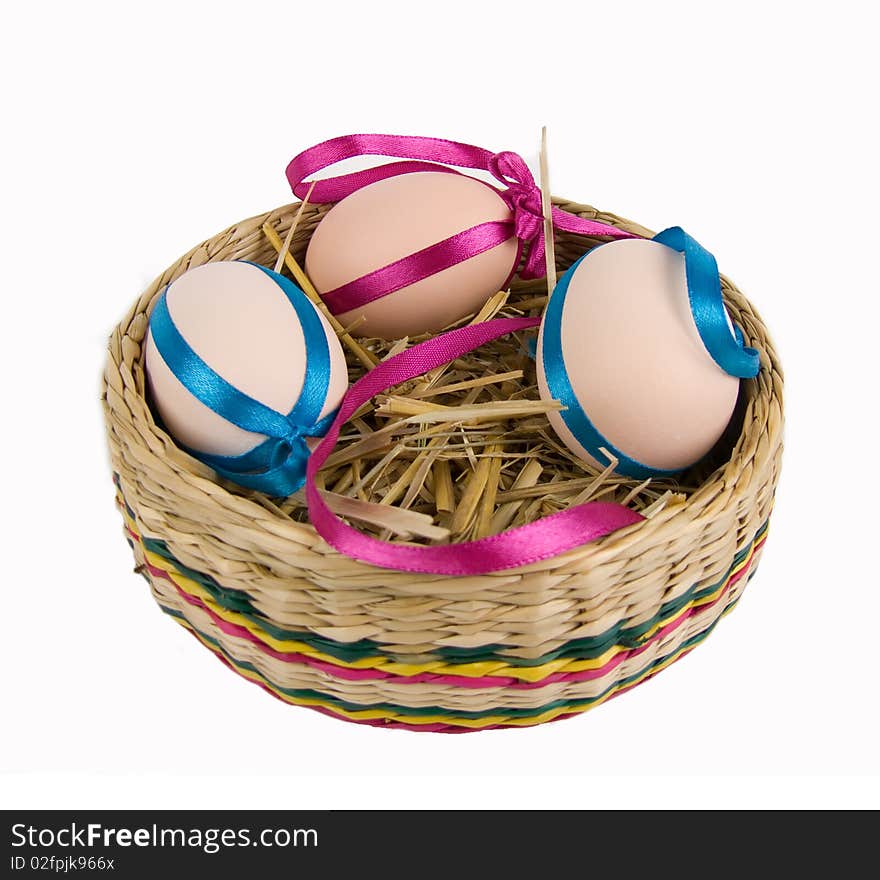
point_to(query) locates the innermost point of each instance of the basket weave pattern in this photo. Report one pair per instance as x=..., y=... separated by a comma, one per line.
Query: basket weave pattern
x=257, y=586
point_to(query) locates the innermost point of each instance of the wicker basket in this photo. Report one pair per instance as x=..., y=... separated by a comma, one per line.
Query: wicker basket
x=255, y=584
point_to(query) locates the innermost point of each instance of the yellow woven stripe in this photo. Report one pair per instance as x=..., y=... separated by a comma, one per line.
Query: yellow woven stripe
x=474, y=669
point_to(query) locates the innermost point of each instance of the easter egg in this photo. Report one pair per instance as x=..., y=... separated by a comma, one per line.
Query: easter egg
x=391, y=219
x=253, y=337
x=620, y=348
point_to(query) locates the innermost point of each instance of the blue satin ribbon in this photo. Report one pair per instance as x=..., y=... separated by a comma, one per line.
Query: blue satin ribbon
x=725, y=348
x=707, y=306
x=277, y=466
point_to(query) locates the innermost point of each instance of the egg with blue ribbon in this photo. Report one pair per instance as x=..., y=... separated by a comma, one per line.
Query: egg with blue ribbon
x=244, y=372
x=638, y=347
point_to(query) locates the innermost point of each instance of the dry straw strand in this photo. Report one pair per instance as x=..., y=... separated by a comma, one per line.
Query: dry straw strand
x=285, y=248
x=547, y=211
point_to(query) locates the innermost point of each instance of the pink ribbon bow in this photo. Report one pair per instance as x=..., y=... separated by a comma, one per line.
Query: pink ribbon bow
x=523, y=196
x=520, y=192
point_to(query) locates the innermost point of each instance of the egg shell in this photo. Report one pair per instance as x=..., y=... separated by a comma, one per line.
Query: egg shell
x=240, y=322
x=393, y=218
x=635, y=359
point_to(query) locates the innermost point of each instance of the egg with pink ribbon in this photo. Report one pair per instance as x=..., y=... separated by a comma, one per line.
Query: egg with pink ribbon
x=378, y=258
x=412, y=247
x=637, y=346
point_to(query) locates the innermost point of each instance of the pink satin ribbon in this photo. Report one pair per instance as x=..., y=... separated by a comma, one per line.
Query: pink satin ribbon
x=414, y=267
x=519, y=546
x=521, y=193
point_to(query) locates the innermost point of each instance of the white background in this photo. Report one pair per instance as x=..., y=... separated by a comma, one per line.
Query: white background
x=133, y=131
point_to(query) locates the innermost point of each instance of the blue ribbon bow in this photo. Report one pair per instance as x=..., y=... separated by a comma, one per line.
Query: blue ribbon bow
x=704, y=293
x=277, y=466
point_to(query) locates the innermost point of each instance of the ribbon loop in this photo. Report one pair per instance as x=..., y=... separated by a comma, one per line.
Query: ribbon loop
x=510, y=169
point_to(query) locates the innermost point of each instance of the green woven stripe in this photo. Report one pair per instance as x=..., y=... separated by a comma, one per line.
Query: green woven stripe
x=584, y=648
x=440, y=710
